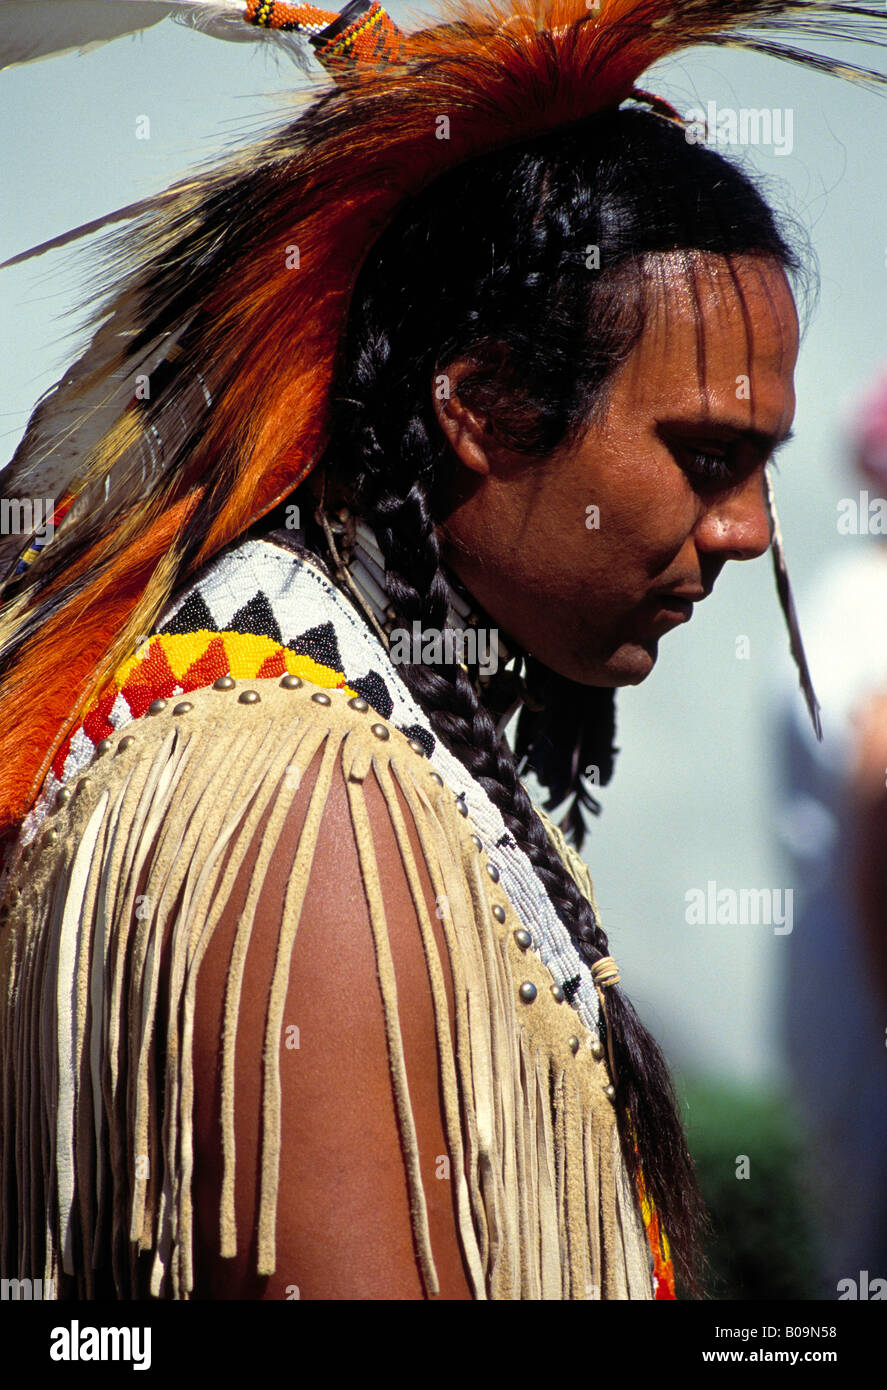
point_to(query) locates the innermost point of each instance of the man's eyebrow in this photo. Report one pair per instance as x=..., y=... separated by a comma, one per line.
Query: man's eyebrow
x=767, y=443
x=762, y=440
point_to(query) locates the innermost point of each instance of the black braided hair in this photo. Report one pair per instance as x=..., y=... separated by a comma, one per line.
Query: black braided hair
x=494, y=253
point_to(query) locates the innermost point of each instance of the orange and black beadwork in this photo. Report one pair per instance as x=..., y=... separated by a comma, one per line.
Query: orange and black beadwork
x=362, y=33
x=272, y=14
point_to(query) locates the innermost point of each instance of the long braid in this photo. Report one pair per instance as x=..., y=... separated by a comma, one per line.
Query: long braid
x=389, y=489
x=495, y=254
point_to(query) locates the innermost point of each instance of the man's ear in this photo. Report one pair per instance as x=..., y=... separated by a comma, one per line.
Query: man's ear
x=467, y=431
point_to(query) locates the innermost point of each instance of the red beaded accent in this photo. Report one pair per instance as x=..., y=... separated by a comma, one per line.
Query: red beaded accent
x=174, y=664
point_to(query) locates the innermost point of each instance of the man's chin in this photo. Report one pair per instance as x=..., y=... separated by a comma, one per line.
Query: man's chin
x=627, y=665
x=633, y=663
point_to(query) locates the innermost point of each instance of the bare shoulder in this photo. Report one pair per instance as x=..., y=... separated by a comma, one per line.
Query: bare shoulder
x=310, y=1053
x=315, y=1045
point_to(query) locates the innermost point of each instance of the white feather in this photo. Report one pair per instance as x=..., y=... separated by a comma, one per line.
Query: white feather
x=31, y=29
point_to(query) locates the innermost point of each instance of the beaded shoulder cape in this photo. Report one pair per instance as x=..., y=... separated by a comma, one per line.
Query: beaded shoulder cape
x=252, y=667
x=266, y=609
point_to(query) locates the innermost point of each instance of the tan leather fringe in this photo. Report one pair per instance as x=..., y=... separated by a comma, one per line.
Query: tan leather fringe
x=98, y=1152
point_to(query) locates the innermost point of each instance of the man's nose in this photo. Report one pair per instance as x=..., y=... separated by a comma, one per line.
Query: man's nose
x=736, y=526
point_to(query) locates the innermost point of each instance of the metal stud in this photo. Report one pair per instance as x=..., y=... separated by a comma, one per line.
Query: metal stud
x=528, y=991
x=380, y=731
x=460, y=805
x=597, y=1050
x=182, y=707
x=574, y=1045
x=223, y=683
x=64, y=796
x=499, y=912
x=436, y=777
x=558, y=993
x=523, y=938
x=102, y=747
x=126, y=742
x=359, y=703
x=493, y=872
x=248, y=697
x=417, y=747
x=51, y=836
x=291, y=682
x=320, y=697
x=156, y=706
x=477, y=842
x=84, y=784
x=610, y=1092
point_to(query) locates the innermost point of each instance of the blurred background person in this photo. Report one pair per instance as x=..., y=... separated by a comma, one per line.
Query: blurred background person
x=834, y=825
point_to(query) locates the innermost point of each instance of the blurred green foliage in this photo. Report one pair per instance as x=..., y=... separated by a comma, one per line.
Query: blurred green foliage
x=763, y=1240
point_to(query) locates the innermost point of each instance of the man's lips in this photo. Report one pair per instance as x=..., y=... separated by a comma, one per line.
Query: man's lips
x=670, y=607
x=669, y=611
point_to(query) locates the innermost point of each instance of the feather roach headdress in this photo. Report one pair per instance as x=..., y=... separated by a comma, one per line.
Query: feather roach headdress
x=203, y=399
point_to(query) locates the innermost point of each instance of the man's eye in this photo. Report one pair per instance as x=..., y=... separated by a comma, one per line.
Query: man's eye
x=711, y=468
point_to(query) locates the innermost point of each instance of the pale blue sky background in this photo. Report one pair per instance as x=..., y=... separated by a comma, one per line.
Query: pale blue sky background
x=693, y=797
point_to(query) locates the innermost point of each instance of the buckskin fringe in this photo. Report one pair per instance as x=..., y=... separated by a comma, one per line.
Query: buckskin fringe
x=98, y=1084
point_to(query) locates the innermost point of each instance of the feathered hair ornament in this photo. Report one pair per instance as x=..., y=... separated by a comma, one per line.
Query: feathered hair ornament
x=203, y=399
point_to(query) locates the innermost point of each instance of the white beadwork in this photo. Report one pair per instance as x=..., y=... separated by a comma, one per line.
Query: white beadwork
x=302, y=596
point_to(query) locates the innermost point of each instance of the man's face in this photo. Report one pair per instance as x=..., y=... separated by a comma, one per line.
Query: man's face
x=588, y=557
